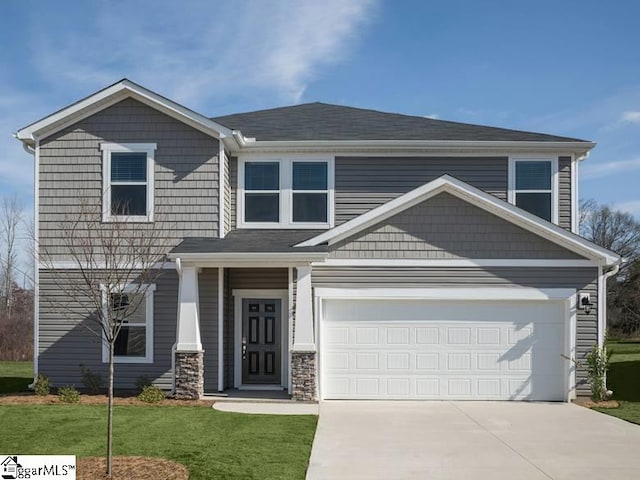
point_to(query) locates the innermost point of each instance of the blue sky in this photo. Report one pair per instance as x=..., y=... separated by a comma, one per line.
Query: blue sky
x=564, y=67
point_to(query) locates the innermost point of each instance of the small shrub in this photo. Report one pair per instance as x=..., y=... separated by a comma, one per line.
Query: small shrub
x=69, y=394
x=42, y=386
x=151, y=394
x=597, y=364
x=143, y=381
x=92, y=381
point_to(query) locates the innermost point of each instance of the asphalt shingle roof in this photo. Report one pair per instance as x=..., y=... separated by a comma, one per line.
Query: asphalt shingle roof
x=252, y=240
x=322, y=121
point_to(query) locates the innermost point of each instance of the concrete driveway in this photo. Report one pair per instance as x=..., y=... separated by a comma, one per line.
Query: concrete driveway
x=471, y=440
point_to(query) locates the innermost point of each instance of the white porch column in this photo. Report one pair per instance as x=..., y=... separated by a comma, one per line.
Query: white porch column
x=304, y=340
x=188, y=329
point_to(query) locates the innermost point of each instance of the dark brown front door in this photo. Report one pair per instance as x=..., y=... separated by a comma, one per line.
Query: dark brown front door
x=261, y=341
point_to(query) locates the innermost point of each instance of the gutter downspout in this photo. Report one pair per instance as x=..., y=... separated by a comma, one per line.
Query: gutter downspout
x=35, y=151
x=605, y=277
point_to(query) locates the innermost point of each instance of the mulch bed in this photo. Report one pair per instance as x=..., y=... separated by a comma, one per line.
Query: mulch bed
x=588, y=403
x=131, y=468
x=86, y=399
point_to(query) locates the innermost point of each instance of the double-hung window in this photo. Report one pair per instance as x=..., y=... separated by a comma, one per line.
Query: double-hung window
x=133, y=308
x=310, y=192
x=128, y=181
x=285, y=193
x=532, y=186
x=262, y=192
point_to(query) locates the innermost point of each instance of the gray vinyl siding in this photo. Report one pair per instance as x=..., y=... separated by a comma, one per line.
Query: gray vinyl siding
x=65, y=342
x=253, y=279
x=564, y=192
x=186, y=173
x=446, y=227
x=363, y=183
x=579, y=278
x=208, y=298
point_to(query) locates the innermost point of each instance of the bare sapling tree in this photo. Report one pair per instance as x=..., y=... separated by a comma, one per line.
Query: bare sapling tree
x=613, y=229
x=620, y=232
x=10, y=221
x=114, y=265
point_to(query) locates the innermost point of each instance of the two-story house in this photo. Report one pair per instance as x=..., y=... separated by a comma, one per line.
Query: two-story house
x=328, y=251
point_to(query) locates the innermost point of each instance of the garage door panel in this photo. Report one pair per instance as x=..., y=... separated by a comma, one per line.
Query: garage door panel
x=448, y=354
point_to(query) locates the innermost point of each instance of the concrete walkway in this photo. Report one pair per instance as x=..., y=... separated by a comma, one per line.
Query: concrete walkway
x=275, y=408
x=471, y=440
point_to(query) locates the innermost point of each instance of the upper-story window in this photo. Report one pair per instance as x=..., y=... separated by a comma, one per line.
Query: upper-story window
x=533, y=186
x=262, y=192
x=310, y=191
x=285, y=193
x=127, y=181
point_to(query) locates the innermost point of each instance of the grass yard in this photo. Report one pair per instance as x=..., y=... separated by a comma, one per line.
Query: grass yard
x=624, y=380
x=210, y=443
x=15, y=376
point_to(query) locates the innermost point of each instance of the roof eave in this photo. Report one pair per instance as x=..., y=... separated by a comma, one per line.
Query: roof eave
x=249, y=258
x=570, y=147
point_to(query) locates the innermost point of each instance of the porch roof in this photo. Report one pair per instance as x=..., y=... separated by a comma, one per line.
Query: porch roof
x=251, y=241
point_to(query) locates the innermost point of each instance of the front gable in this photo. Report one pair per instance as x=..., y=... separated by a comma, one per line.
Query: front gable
x=447, y=227
x=467, y=226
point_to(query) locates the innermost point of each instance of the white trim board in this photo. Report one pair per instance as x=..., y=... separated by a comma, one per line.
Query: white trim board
x=491, y=262
x=72, y=265
x=472, y=147
x=461, y=293
x=476, y=197
x=238, y=295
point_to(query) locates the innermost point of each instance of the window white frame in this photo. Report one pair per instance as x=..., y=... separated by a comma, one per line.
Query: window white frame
x=286, y=191
x=555, y=181
x=149, y=290
x=107, y=150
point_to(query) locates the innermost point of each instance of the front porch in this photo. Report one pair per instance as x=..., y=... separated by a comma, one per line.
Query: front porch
x=245, y=324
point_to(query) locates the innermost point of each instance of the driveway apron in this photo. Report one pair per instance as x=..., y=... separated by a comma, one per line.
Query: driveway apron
x=471, y=440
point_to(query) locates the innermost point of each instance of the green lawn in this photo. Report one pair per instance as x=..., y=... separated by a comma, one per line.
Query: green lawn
x=624, y=380
x=210, y=443
x=15, y=376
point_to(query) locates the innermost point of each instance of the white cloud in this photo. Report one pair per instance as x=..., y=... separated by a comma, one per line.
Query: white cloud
x=433, y=116
x=606, y=169
x=208, y=50
x=631, y=117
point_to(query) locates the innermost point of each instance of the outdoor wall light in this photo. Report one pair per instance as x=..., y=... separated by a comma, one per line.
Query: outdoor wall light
x=584, y=303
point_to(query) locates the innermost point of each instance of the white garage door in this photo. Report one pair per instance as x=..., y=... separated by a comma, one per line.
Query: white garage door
x=419, y=349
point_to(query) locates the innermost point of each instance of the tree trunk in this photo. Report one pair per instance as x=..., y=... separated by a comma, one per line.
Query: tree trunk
x=110, y=414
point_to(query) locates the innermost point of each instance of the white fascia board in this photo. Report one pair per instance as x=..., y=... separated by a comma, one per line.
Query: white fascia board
x=249, y=258
x=461, y=293
x=477, y=198
x=579, y=148
x=454, y=263
x=98, y=265
x=111, y=95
